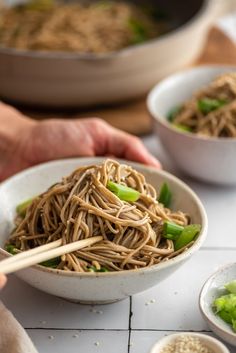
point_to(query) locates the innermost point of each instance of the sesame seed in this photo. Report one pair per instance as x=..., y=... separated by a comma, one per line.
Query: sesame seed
x=51, y=337
x=97, y=343
x=186, y=344
x=75, y=336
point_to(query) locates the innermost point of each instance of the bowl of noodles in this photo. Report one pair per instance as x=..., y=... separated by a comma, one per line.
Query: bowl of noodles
x=56, y=53
x=150, y=223
x=194, y=115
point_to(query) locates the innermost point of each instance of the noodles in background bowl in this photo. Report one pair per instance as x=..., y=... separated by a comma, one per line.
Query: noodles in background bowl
x=136, y=233
x=211, y=111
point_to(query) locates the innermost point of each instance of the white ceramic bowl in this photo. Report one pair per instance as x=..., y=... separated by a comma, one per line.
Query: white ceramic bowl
x=99, y=287
x=209, y=159
x=210, y=342
x=212, y=289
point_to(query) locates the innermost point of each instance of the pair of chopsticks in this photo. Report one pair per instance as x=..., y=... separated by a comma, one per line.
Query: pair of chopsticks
x=43, y=253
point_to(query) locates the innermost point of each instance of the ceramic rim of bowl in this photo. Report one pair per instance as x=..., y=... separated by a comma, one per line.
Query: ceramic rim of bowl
x=204, y=338
x=204, y=289
x=151, y=98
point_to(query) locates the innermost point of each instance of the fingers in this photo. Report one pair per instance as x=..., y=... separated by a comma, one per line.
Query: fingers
x=126, y=146
x=111, y=141
x=2, y=281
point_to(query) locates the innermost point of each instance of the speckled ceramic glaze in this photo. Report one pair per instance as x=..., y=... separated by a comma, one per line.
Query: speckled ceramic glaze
x=91, y=287
x=209, y=159
x=212, y=289
x=210, y=342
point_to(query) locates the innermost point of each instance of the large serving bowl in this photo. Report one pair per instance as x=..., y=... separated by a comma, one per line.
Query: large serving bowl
x=209, y=159
x=66, y=80
x=94, y=287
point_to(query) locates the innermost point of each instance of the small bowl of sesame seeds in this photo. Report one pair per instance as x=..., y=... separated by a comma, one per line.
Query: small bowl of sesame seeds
x=189, y=342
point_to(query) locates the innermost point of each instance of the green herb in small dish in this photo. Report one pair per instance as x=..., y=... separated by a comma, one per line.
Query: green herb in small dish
x=225, y=305
x=124, y=193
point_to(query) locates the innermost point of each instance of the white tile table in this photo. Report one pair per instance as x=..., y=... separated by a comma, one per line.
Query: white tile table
x=135, y=324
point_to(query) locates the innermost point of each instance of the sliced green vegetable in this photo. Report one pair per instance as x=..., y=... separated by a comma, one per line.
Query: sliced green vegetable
x=53, y=263
x=173, y=113
x=165, y=195
x=188, y=234
x=11, y=249
x=22, y=207
x=103, y=4
x=139, y=31
x=38, y=5
x=182, y=127
x=124, y=193
x=170, y=236
x=231, y=287
x=225, y=308
x=225, y=316
x=207, y=105
x=173, y=229
x=93, y=269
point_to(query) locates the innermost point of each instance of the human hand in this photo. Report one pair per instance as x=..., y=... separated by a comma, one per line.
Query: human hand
x=29, y=142
x=2, y=280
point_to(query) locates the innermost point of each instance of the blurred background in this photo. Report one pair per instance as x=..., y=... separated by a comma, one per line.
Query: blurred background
x=100, y=58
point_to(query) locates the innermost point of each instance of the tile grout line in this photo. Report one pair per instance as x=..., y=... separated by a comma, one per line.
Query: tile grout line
x=130, y=318
x=114, y=330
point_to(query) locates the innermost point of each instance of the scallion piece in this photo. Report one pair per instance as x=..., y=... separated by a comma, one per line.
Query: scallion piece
x=182, y=127
x=53, y=263
x=170, y=236
x=207, y=105
x=173, y=113
x=139, y=31
x=172, y=228
x=165, y=195
x=124, y=193
x=22, y=207
x=94, y=269
x=11, y=249
x=187, y=235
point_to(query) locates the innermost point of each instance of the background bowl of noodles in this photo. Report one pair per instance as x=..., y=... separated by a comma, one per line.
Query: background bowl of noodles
x=96, y=287
x=203, y=156
x=66, y=72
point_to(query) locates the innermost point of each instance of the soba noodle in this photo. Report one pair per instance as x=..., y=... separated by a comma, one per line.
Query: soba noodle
x=81, y=206
x=96, y=27
x=212, y=111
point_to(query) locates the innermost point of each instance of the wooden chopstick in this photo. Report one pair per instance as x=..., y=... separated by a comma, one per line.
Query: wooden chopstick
x=30, y=259
x=37, y=250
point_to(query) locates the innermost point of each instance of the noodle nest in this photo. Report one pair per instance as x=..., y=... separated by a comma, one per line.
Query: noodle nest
x=81, y=206
x=212, y=111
